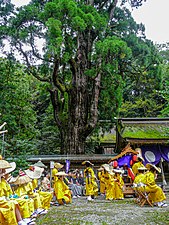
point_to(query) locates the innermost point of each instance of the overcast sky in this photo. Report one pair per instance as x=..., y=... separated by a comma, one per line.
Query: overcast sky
x=154, y=14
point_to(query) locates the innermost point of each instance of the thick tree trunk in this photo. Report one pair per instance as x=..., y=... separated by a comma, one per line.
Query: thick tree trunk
x=82, y=101
x=71, y=142
x=72, y=133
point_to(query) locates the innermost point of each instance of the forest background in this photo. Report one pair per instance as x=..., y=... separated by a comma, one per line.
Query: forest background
x=70, y=66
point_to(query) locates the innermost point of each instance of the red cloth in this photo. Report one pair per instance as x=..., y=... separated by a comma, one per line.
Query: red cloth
x=131, y=174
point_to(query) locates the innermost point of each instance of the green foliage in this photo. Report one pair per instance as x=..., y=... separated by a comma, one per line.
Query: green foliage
x=78, y=23
x=16, y=109
x=113, y=50
x=164, y=92
x=54, y=27
x=48, y=139
x=141, y=93
x=26, y=108
x=80, y=42
x=21, y=164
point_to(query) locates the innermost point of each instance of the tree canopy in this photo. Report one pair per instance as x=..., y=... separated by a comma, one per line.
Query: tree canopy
x=89, y=59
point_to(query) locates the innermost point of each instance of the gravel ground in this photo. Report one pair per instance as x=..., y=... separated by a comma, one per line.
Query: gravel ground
x=104, y=212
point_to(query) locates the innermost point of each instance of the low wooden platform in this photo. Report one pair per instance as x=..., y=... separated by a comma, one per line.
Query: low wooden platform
x=128, y=190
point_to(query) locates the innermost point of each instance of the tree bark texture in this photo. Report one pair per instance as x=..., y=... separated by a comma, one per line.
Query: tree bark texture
x=82, y=101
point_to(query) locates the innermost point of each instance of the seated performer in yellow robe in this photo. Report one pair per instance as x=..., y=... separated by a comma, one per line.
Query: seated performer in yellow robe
x=62, y=191
x=156, y=194
x=26, y=190
x=35, y=173
x=139, y=177
x=56, y=169
x=23, y=202
x=138, y=183
x=9, y=209
x=45, y=196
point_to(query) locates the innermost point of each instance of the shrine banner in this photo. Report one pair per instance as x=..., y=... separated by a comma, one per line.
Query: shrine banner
x=165, y=152
x=67, y=165
x=151, y=154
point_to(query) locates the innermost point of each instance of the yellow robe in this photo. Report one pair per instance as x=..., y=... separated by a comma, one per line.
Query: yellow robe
x=7, y=207
x=118, y=188
x=139, y=178
x=156, y=194
x=34, y=183
x=54, y=172
x=102, y=183
x=62, y=192
x=109, y=186
x=45, y=196
x=136, y=166
x=22, y=191
x=35, y=196
x=90, y=180
x=55, y=178
x=7, y=212
x=22, y=203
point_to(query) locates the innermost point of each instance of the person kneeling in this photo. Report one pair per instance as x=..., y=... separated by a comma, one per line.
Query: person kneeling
x=62, y=191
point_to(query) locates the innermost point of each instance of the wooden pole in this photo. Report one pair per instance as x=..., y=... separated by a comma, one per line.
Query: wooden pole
x=51, y=168
x=162, y=173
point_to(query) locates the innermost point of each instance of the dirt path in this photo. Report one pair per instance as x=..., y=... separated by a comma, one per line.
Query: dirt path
x=103, y=212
